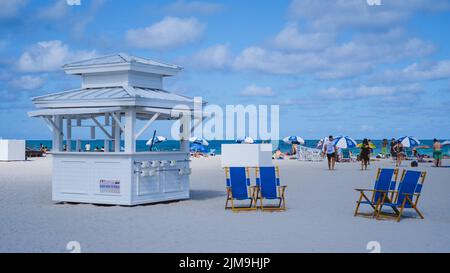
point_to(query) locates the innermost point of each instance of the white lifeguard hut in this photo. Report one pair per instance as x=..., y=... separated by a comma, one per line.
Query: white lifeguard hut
x=116, y=91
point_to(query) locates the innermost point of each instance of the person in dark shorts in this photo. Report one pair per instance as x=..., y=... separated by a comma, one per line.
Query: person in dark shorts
x=400, y=152
x=393, y=152
x=331, y=151
x=365, y=154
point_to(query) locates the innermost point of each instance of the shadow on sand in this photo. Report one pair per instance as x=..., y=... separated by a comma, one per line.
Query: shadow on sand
x=194, y=195
x=206, y=194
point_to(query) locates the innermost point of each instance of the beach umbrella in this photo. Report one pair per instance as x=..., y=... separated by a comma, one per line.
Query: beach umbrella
x=294, y=140
x=247, y=140
x=197, y=147
x=445, y=143
x=199, y=140
x=344, y=142
x=371, y=145
x=158, y=139
x=409, y=141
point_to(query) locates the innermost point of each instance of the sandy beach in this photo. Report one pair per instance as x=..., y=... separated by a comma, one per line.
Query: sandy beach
x=319, y=216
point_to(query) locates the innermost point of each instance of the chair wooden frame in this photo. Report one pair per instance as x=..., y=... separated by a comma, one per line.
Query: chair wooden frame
x=409, y=199
x=280, y=191
x=371, y=201
x=252, y=191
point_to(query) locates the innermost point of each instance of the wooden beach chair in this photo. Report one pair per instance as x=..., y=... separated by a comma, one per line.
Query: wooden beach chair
x=239, y=189
x=386, y=180
x=268, y=185
x=407, y=195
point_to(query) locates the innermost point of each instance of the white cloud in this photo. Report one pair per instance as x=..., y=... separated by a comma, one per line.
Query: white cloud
x=217, y=56
x=342, y=70
x=378, y=52
x=49, y=56
x=417, y=72
x=55, y=11
x=171, y=32
x=363, y=91
x=189, y=7
x=334, y=15
x=10, y=8
x=290, y=38
x=337, y=61
x=257, y=91
x=277, y=62
x=28, y=82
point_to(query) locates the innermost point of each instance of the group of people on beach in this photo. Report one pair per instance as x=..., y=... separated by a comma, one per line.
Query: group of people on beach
x=330, y=150
x=397, y=152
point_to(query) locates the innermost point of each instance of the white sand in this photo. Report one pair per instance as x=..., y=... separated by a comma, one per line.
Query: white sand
x=319, y=216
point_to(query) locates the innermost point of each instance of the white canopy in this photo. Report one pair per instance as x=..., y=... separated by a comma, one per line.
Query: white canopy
x=119, y=89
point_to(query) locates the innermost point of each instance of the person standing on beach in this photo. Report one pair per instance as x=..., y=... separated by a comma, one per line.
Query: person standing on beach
x=331, y=152
x=399, y=150
x=384, y=148
x=294, y=148
x=365, y=154
x=437, y=153
x=393, y=153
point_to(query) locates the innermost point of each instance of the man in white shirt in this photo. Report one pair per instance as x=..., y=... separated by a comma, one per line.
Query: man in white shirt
x=330, y=149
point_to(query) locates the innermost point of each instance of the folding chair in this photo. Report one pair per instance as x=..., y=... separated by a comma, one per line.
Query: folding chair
x=407, y=195
x=239, y=189
x=385, y=180
x=268, y=185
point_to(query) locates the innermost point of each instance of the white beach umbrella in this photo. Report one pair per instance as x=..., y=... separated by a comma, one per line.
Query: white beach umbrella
x=409, y=141
x=294, y=140
x=199, y=140
x=344, y=142
x=247, y=140
x=445, y=143
x=158, y=139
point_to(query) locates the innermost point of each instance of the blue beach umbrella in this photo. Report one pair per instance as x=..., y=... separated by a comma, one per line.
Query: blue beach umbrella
x=199, y=140
x=294, y=140
x=344, y=142
x=196, y=147
x=409, y=141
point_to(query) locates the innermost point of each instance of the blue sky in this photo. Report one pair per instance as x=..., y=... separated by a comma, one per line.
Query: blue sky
x=334, y=67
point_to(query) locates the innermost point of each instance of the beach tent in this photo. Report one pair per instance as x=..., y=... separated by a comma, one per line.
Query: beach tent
x=116, y=91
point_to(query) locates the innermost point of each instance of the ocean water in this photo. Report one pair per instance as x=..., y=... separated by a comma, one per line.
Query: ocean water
x=172, y=145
